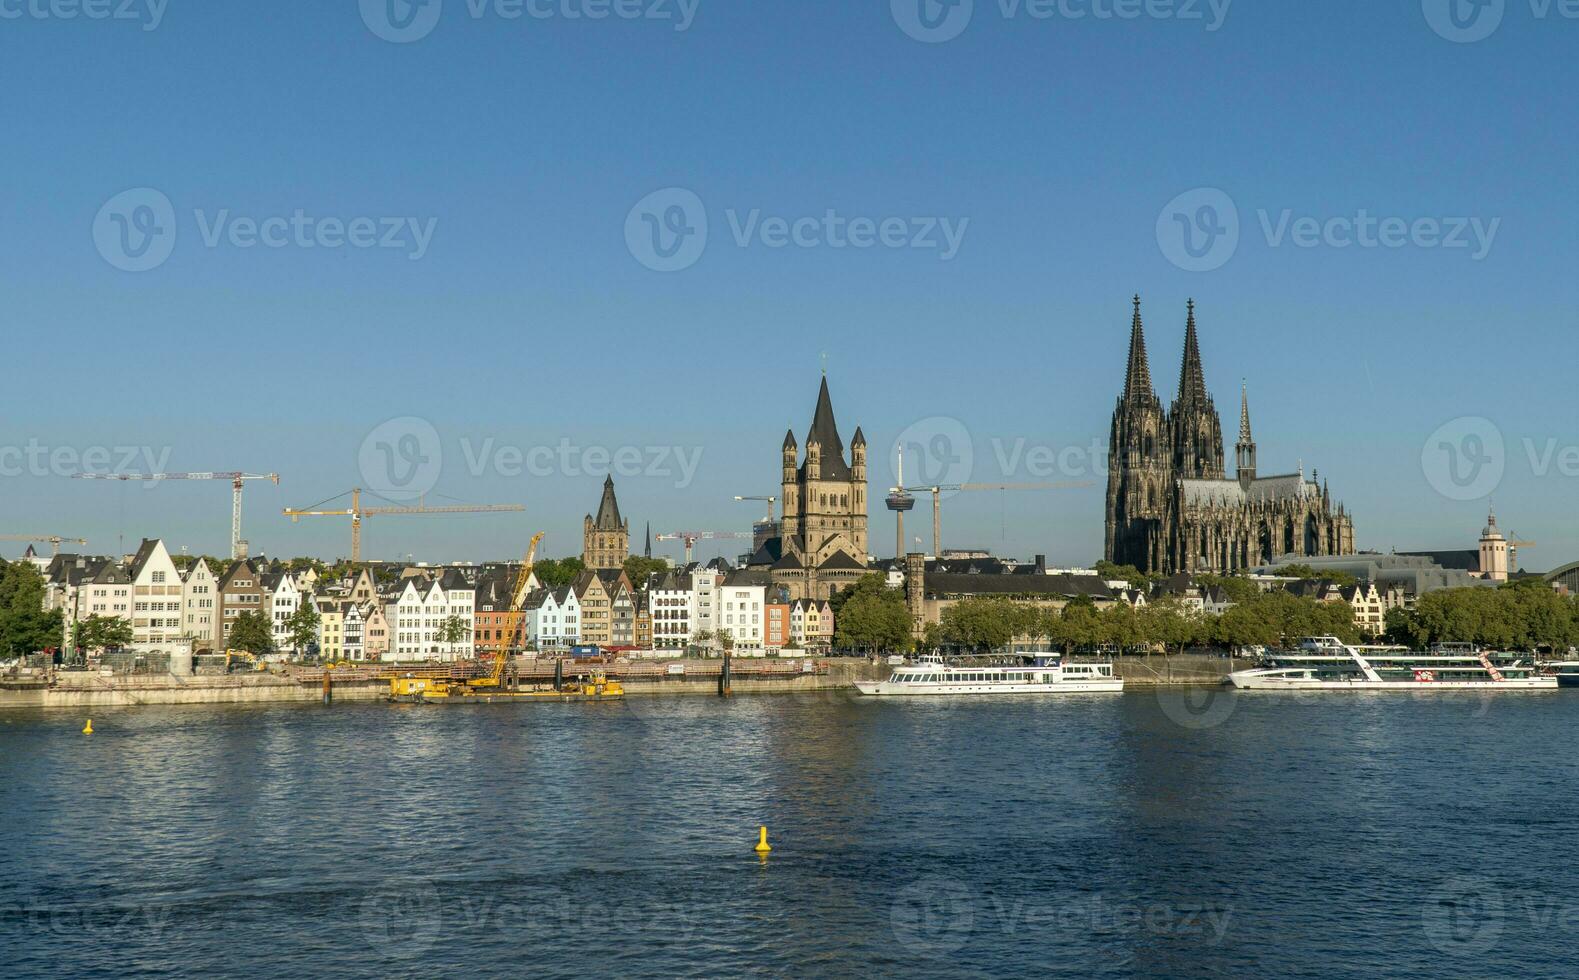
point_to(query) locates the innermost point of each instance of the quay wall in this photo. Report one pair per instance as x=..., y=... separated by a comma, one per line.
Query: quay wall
x=130, y=691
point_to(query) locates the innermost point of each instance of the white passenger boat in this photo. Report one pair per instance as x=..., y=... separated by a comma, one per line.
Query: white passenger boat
x=931, y=675
x=1325, y=663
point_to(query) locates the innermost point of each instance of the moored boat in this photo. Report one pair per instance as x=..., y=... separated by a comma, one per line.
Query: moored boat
x=1034, y=674
x=1325, y=663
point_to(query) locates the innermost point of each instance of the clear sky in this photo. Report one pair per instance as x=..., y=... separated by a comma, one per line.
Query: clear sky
x=1066, y=154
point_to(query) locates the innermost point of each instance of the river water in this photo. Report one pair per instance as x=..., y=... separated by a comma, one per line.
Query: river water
x=1142, y=835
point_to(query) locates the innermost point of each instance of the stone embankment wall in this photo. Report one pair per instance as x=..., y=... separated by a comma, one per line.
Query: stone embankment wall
x=86, y=691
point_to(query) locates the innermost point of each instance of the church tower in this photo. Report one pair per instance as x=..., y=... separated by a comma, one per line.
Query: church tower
x=1245, y=448
x=1195, y=429
x=605, y=540
x=822, y=538
x=1493, y=551
x=1139, y=485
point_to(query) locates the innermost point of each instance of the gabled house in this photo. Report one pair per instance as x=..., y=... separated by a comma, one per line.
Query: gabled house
x=241, y=589
x=200, y=607
x=156, y=598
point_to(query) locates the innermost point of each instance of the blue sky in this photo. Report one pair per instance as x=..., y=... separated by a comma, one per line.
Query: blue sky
x=523, y=146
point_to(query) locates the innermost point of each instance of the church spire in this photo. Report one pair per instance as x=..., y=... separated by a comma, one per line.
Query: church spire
x=1244, y=415
x=647, y=552
x=1245, y=449
x=1137, y=378
x=1192, y=379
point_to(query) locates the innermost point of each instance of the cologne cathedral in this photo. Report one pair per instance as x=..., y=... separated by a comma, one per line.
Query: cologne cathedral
x=1170, y=506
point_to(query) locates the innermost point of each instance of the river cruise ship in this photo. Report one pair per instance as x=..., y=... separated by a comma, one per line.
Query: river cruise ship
x=1325, y=663
x=1032, y=674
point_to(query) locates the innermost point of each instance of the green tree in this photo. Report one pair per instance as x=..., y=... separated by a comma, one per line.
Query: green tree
x=726, y=640
x=1169, y=623
x=872, y=620
x=638, y=569
x=453, y=631
x=1305, y=573
x=1079, y=625
x=1137, y=579
x=981, y=623
x=24, y=625
x=873, y=583
x=103, y=633
x=556, y=573
x=301, y=627
x=250, y=632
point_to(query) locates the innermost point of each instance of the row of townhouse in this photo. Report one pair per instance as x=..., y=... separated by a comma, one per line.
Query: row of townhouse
x=403, y=618
x=167, y=605
x=740, y=603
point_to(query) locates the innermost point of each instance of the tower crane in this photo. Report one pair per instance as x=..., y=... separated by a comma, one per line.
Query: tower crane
x=937, y=498
x=53, y=540
x=769, y=500
x=357, y=512
x=238, y=547
x=691, y=537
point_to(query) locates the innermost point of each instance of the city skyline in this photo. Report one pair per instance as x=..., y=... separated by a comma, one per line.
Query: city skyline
x=519, y=304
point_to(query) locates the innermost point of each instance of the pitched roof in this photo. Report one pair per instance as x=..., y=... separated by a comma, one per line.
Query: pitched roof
x=770, y=552
x=824, y=432
x=608, y=518
x=841, y=561
x=145, y=551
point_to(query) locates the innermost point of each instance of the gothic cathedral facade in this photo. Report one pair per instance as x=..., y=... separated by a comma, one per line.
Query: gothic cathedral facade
x=1170, y=505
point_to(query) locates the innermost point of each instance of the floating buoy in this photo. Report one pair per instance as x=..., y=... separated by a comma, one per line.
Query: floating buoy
x=88, y=730
x=762, y=842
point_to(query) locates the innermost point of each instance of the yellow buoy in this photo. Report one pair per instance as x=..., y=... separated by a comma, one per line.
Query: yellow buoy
x=88, y=728
x=762, y=842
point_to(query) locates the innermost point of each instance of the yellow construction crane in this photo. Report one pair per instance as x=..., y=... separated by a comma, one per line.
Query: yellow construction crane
x=356, y=512
x=513, y=618
x=937, y=499
x=53, y=540
x=238, y=547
